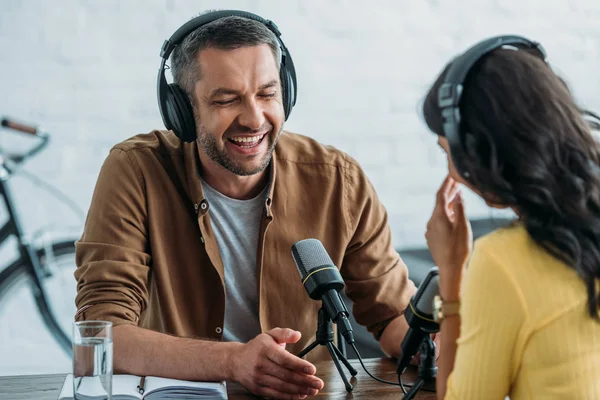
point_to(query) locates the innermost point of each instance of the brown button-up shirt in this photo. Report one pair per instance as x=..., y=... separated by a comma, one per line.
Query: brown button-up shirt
x=149, y=257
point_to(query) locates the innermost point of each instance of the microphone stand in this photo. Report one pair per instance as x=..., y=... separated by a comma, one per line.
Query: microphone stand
x=325, y=338
x=427, y=367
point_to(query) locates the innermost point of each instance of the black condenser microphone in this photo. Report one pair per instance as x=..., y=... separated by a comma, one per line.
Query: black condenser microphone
x=323, y=281
x=419, y=315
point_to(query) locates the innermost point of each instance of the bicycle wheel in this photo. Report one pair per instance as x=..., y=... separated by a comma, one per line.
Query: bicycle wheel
x=58, y=284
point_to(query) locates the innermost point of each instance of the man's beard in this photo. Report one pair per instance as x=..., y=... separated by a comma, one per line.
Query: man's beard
x=208, y=144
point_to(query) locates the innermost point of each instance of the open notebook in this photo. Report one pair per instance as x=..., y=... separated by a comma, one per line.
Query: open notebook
x=125, y=388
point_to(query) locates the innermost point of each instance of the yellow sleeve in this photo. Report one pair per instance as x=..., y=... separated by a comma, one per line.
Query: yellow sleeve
x=492, y=313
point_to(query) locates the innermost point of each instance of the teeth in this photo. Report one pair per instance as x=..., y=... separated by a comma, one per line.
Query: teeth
x=253, y=139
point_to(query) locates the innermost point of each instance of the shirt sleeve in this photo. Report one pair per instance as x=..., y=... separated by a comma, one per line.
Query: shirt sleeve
x=112, y=255
x=492, y=314
x=376, y=278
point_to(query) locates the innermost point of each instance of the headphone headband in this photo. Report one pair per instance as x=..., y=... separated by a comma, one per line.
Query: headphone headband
x=450, y=91
x=195, y=23
x=174, y=105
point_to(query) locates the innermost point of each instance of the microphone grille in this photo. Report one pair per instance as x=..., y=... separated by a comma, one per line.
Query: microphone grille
x=425, y=301
x=308, y=254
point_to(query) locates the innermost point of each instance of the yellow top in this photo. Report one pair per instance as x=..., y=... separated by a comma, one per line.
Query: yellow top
x=525, y=329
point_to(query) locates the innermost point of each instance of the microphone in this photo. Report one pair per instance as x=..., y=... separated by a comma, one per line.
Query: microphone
x=419, y=316
x=323, y=281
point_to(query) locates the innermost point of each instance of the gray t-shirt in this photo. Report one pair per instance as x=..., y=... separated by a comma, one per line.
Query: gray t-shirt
x=236, y=224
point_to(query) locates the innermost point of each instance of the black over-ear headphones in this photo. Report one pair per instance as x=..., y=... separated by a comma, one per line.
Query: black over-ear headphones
x=450, y=92
x=174, y=105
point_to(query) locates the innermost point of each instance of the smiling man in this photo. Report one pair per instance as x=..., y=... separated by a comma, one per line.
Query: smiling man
x=187, y=245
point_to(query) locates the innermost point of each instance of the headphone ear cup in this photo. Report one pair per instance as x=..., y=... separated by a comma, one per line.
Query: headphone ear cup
x=180, y=113
x=286, y=91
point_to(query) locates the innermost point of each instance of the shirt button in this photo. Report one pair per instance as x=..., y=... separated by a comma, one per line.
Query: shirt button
x=219, y=330
x=203, y=205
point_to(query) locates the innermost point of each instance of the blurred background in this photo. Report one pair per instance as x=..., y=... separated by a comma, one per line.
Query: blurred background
x=85, y=70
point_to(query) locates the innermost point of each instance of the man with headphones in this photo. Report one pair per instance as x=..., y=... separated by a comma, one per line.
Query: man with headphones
x=187, y=245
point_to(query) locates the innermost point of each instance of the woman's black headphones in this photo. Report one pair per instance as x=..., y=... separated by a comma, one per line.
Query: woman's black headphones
x=174, y=105
x=450, y=92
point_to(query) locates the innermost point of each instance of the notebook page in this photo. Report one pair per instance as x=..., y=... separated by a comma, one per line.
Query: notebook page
x=67, y=389
x=121, y=387
x=126, y=385
x=168, y=387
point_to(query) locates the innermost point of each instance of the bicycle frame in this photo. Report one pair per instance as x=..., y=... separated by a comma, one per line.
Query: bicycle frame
x=27, y=253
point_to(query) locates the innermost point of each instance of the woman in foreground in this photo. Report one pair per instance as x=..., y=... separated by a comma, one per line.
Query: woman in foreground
x=524, y=322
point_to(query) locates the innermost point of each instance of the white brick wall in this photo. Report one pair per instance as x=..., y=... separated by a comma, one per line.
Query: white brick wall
x=86, y=70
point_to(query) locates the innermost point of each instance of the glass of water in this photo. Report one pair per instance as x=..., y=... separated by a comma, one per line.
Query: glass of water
x=92, y=360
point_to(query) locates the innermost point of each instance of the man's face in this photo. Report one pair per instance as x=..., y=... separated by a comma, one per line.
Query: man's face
x=239, y=110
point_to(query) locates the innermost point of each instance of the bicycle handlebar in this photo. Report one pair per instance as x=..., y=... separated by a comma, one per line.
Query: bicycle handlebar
x=17, y=126
x=15, y=159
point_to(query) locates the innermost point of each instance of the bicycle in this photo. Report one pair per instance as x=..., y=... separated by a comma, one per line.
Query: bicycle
x=42, y=267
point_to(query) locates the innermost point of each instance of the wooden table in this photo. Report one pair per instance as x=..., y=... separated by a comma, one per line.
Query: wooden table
x=47, y=387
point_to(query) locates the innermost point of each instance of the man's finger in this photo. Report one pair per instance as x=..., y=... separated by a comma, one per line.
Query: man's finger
x=282, y=386
x=291, y=376
x=284, y=335
x=269, y=393
x=287, y=360
x=288, y=381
